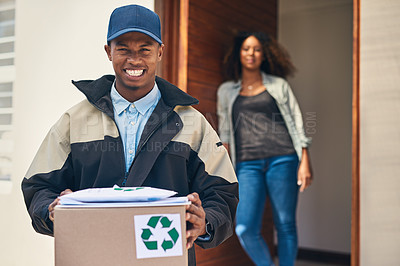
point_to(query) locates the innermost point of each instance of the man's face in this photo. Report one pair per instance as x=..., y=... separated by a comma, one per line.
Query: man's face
x=134, y=56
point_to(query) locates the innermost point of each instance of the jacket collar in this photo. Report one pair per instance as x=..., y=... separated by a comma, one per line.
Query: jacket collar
x=98, y=93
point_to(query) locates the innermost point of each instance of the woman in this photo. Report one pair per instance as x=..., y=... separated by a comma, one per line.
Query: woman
x=260, y=123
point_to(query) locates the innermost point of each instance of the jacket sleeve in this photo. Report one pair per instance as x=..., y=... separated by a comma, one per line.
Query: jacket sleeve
x=49, y=174
x=213, y=177
x=223, y=116
x=297, y=116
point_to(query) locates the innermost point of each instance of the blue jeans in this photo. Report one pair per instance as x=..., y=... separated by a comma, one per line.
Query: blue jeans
x=276, y=178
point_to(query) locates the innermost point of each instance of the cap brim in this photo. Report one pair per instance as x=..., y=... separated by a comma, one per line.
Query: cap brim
x=119, y=33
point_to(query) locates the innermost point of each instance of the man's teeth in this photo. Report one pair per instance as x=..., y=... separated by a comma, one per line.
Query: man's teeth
x=134, y=73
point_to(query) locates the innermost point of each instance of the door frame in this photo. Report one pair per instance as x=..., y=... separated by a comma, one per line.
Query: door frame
x=355, y=200
x=175, y=14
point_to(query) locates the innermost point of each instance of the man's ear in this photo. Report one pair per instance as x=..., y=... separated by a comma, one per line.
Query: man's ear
x=160, y=52
x=107, y=48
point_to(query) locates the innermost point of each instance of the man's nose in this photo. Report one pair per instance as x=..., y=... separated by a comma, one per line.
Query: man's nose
x=133, y=59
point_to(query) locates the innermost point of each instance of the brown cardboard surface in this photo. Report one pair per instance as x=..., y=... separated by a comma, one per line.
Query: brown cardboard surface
x=105, y=236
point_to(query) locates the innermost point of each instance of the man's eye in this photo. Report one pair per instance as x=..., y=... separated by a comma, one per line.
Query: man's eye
x=122, y=49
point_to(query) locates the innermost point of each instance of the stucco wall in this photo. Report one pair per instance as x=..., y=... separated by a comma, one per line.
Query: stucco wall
x=380, y=132
x=56, y=41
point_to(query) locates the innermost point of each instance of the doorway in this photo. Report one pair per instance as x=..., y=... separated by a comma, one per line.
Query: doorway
x=318, y=35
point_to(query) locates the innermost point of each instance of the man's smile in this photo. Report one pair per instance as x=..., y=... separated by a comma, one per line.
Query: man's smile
x=134, y=72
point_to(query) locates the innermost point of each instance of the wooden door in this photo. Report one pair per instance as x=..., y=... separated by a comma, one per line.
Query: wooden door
x=197, y=35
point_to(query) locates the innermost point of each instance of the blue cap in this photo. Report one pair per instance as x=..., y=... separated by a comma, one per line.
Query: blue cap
x=134, y=18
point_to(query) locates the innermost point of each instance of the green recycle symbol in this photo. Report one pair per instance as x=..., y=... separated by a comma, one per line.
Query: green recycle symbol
x=166, y=223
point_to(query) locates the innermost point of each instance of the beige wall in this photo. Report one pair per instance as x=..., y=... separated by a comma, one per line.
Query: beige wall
x=56, y=41
x=380, y=132
x=318, y=36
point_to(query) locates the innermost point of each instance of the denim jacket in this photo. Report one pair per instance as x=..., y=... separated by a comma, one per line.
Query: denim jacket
x=280, y=90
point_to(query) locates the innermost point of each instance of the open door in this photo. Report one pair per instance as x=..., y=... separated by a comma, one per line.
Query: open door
x=197, y=35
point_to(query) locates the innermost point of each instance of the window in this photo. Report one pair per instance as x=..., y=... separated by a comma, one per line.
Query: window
x=7, y=77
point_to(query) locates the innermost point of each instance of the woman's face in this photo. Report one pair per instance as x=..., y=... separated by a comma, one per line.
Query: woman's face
x=251, y=54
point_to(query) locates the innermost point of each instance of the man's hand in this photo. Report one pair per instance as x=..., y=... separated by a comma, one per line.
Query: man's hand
x=196, y=218
x=55, y=203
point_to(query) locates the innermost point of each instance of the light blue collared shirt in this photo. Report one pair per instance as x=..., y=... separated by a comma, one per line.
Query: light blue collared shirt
x=131, y=119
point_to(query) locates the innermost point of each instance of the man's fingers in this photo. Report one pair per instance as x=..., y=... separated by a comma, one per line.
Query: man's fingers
x=56, y=202
x=65, y=192
x=195, y=218
x=194, y=198
x=189, y=242
x=195, y=210
x=51, y=208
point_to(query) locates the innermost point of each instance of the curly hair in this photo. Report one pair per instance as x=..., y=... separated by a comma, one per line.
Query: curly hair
x=276, y=59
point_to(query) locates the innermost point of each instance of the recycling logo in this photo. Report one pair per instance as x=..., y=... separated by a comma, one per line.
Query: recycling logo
x=158, y=235
x=165, y=225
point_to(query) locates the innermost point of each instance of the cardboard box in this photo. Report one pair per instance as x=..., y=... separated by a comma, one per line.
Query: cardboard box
x=154, y=235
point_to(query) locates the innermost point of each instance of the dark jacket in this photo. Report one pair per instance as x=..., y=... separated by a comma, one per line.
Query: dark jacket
x=178, y=150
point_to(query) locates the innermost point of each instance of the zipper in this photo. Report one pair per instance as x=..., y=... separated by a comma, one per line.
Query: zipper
x=122, y=145
x=148, y=137
x=125, y=177
x=123, y=156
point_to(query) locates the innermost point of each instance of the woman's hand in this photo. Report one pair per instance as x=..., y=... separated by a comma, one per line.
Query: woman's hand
x=304, y=175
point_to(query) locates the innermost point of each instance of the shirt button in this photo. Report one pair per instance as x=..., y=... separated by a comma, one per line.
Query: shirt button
x=133, y=106
x=130, y=151
x=132, y=123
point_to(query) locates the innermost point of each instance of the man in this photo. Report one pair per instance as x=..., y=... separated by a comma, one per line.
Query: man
x=136, y=129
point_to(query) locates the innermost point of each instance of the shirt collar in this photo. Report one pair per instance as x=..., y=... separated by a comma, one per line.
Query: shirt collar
x=142, y=105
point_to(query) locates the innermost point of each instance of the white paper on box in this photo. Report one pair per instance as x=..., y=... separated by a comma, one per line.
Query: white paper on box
x=115, y=194
x=158, y=235
x=173, y=201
